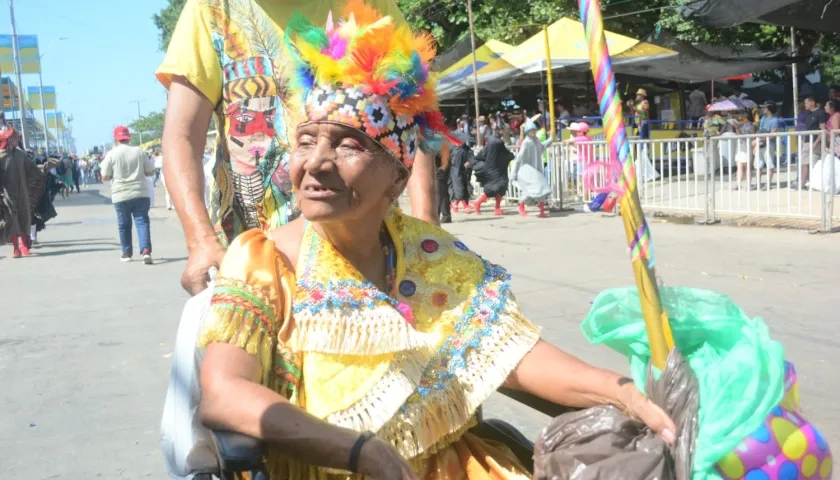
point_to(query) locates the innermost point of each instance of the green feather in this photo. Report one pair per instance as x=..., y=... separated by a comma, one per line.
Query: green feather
x=307, y=31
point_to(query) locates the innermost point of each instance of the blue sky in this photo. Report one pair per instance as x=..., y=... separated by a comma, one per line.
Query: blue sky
x=105, y=64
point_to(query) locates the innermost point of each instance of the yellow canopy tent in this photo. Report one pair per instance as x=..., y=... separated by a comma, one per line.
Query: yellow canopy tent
x=460, y=73
x=568, y=48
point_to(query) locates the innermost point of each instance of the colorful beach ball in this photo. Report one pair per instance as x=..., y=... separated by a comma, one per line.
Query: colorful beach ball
x=785, y=447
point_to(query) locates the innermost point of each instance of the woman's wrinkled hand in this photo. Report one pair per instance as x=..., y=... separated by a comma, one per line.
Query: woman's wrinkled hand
x=380, y=461
x=638, y=405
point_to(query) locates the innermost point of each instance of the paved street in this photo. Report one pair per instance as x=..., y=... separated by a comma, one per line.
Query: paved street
x=86, y=340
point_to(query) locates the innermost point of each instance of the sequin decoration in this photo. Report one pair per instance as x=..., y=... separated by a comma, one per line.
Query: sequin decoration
x=461, y=246
x=429, y=246
x=439, y=299
x=785, y=447
x=407, y=288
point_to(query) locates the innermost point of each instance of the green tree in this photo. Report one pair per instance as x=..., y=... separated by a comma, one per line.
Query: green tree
x=513, y=21
x=150, y=126
x=165, y=21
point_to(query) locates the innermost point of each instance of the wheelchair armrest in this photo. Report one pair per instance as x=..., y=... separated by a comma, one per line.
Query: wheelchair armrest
x=238, y=452
x=538, y=404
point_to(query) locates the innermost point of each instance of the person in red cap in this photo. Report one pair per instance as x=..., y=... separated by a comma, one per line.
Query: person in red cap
x=128, y=167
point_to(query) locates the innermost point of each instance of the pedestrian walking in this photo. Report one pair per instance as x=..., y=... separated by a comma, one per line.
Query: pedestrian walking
x=76, y=172
x=14, y=195
x=130, y=169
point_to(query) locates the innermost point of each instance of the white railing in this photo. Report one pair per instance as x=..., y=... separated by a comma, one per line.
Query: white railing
x=729, y=174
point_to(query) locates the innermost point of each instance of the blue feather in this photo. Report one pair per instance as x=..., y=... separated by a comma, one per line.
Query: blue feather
x=416, y=73
x=420, y=121
x=305, y=78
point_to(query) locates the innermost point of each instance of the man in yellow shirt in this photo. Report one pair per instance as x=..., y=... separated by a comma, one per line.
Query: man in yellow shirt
x=226, y=59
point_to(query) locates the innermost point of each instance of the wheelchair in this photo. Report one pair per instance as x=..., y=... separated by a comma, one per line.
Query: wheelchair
x=233, y=453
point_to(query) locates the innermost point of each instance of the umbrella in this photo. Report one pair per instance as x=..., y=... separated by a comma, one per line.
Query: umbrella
x=726, y=106
x=463, y=137
x=748, y=104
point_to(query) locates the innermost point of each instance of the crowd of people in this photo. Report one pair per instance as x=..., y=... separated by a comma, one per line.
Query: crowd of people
x=29, y=185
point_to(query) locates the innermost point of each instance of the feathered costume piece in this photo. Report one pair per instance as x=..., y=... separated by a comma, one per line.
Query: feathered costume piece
x=366, y=72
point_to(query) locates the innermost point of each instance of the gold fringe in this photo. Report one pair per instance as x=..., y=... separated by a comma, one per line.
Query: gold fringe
x=438, y=419
x=241, y=328
x=349, y=331
x=427, y=425
x=380, y=404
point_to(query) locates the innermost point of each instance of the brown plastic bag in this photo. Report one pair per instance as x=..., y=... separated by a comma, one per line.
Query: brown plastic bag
x=603, y=443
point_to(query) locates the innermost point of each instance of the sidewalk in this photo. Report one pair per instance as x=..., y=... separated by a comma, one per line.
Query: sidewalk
x=86, y=343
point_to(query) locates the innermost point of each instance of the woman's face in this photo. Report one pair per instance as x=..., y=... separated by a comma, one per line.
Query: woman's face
x=341, y=174
x=828, y=108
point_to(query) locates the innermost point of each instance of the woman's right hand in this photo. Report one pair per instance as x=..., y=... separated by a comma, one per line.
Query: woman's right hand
x=380, y=461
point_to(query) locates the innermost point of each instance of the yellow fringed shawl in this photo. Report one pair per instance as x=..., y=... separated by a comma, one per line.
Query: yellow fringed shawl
x=414, y=369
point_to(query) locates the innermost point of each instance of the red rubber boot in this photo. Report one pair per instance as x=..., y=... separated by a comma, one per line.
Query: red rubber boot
x=542, y=210
x=24, y=249
x=498, y=210
x=15, y=247
x=522, y=210
x=477, y=204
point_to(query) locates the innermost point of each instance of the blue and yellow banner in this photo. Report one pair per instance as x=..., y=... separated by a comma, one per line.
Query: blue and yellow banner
x=30, y=57
x=51, y=120
x=34, y=96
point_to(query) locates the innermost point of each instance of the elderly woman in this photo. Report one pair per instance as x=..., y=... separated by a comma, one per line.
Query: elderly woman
x=357, y=340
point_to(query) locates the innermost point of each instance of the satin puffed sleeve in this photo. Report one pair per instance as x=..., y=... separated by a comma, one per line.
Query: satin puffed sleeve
x=251, y=299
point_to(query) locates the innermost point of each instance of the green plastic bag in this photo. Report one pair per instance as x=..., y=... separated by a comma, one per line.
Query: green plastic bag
x=740, y=369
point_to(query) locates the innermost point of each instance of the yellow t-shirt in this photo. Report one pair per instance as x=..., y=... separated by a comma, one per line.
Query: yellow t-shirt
x=232, y=51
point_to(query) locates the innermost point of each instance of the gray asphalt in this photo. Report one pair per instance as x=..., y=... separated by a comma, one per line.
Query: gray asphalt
x=86, y=340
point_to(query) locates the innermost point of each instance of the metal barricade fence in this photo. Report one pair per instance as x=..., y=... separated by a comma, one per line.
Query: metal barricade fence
x=787, y=174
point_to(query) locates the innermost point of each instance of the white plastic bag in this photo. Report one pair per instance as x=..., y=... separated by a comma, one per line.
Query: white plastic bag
x=180, y=427
x=821, y=175
x=645, y=170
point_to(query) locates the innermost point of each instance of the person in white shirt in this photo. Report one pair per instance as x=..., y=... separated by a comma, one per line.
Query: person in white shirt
x=158, y=159
x=130, y=169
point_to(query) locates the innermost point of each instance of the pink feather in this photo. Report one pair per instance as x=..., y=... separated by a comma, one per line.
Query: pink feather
x=337, y=48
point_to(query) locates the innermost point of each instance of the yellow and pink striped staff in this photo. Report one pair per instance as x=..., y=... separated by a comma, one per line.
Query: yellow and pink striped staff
x=635, y=226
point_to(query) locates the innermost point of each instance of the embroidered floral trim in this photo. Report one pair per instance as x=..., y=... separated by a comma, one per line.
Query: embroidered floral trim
x=315, y=297
x=286, y=370
x=238, y=296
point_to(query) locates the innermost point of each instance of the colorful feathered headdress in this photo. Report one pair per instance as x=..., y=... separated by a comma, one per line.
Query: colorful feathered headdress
x=366, y=72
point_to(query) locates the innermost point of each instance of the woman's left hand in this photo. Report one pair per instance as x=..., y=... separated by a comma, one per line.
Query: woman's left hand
x=638, y=405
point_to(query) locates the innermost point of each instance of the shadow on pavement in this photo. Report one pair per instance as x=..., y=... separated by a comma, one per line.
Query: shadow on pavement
x=74, y=243
x=81, y=199
x=474, y=218
x=76, y=240
x=41, y=253
x=162, y=261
